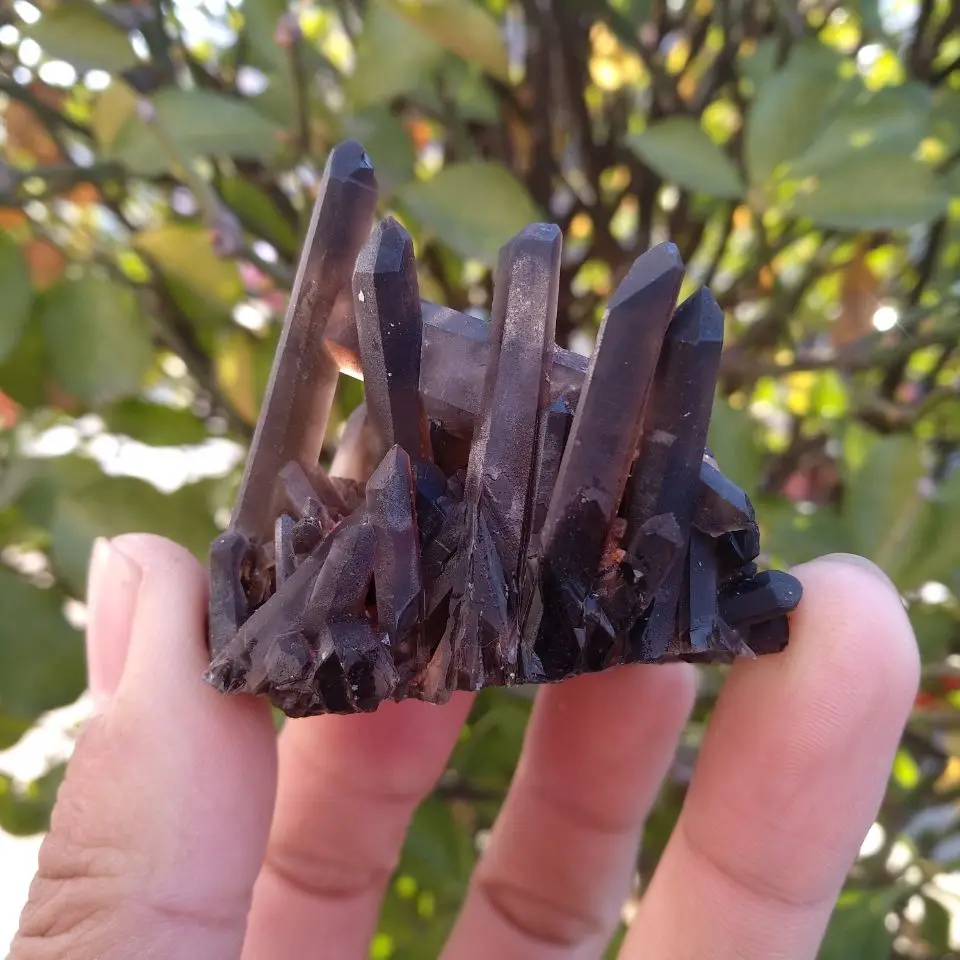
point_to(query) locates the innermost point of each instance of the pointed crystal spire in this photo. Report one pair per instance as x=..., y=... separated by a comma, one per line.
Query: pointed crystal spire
x=229, y=606
x=666, y=481
x=390, y=328
x=391, y=505
x=501, y=475
x=600, y=450
x=301, y=389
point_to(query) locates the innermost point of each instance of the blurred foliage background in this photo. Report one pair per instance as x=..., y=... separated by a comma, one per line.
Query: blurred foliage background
x=160, y=158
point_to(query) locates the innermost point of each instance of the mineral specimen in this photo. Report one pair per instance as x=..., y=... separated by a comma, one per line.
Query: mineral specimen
x=499, y=510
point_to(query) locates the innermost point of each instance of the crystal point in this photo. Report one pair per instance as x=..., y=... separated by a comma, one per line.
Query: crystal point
x=666, y=477
x=391, y=502
x=300, y=392
x=390, y=328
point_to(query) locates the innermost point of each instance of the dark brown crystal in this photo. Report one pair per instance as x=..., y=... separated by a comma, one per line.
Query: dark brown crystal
x=499, y=511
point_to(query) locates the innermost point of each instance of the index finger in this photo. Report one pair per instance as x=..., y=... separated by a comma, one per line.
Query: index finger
x=791, y=775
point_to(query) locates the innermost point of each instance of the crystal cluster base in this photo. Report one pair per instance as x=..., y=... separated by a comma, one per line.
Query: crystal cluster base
x=499, y=511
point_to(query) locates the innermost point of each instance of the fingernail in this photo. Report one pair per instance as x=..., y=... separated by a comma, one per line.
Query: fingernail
x=113, y=582
x=863, y=563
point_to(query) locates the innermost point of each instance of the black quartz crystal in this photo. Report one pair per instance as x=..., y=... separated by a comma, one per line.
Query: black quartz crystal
x=499, y=510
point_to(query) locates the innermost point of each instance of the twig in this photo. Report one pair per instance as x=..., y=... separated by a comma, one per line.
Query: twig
x=155, y=34
x=886, y=416
x=863, y=354
x=468, y=792
x=290, y=35
x=945, y=71
x=721, y=247
x=916, y=55
x=925, y=271
x=59, y=177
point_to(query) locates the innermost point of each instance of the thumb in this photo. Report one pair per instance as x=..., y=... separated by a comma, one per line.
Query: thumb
x=160, y=825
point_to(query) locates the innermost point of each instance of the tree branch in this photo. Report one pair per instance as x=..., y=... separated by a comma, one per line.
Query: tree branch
x=925, y=271
x=864, y=354
x=58, y=177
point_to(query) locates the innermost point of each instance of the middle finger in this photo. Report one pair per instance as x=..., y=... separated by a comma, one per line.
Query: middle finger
x=347, y=789
x=557, y=868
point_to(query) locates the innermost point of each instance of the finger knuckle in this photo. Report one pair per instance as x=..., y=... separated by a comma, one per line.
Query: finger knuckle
x=538, y=917
x=85, y=863
x=70, y=897
x=323, y=875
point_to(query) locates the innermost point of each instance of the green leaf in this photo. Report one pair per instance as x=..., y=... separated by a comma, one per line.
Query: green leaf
x=438, y=852
x=945, y=117
x=474, y=208
x=154, y=423
x=936, y=544
x=17, y=295
x=258, y=48
x=388, y=144
x=77, y=32
x=883, y=503
x=260, y=19
x=681, y=152
x=793, y=537
x=732, y=439
x=615, y=947
x=462, y=27
x=259, y=214
x=25, y=810
x=41, y=655
x=112, y=109
x=626, y=17
x=23, y=373
x=759, y=65
x=15, y=531
x=877, y=193
x=197, y=123
x=487, y=756
x=471, y=91
x=870, y=17
x=790, y=109
x=235, y=366
x=937, y=921
x=891, y=121
x=97, y=340
x=935, y=626
x=109, y=506
x=183, y=252
x=951, y=181
x=857, y=929
x=392, y=57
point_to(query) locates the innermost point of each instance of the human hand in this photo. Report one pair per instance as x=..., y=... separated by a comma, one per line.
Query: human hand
x=178, y=834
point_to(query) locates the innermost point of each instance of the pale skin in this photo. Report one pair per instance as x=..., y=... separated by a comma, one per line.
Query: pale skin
x=186, y=829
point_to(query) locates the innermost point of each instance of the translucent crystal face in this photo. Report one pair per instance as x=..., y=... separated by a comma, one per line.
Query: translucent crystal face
x=500, y=511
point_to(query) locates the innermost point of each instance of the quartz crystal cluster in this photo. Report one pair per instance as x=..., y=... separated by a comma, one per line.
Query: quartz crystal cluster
x=499, y=510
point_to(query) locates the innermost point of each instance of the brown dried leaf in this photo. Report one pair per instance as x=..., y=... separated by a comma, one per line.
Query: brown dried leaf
x=45, y=262
x=858, y=301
